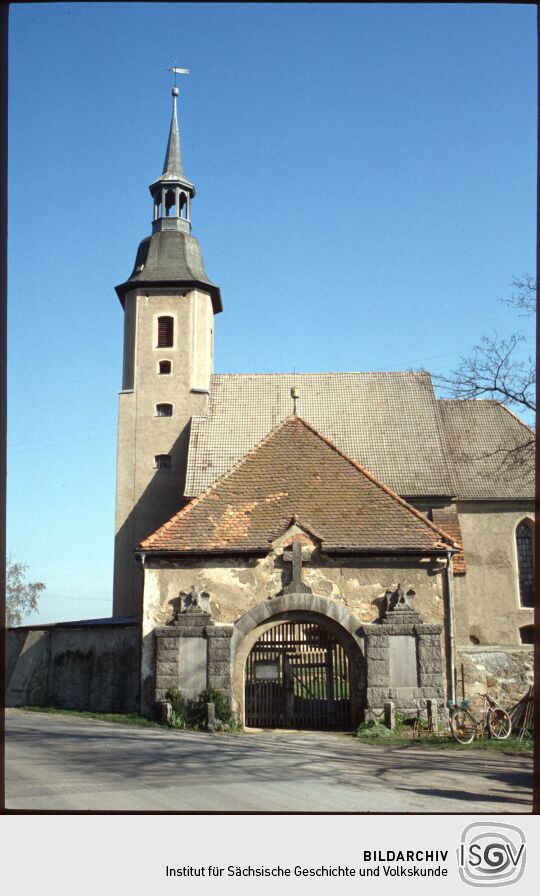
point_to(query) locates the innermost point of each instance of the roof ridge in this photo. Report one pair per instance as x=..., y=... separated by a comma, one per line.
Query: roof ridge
x=515, y=416
x=424, y=373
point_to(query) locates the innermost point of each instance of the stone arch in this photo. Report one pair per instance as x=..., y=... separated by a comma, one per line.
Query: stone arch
x=300, y=607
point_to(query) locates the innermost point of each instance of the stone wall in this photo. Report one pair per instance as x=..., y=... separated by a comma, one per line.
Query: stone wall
x=505, y=673
x=84, y=666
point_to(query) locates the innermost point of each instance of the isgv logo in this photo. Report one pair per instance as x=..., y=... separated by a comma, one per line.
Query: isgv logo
x=491, y=854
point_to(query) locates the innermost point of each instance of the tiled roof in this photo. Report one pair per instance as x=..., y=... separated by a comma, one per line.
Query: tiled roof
x=485, y=449
x=297, y=473
x=448, y=521
x=388, y=422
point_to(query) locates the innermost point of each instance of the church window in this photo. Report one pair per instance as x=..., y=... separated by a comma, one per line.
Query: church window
x=164, y=410
x=524, y=545
x=162, y=462
x=165, y=332
x=164, y=367
x=526, y=634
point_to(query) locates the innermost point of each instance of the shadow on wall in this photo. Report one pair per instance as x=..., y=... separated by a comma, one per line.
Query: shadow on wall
x=91, y=667
x=161, y=499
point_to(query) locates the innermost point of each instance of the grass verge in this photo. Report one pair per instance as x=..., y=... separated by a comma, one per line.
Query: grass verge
x=130, y=718
x=446, y=742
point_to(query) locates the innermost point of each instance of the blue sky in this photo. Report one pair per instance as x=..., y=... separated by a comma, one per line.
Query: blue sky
x=365, y=194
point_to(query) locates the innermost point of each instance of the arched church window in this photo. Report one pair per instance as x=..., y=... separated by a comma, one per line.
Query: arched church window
x=165, y=332
x=162, y=462
x=526, y=634
x=183, y=205
x=164, y=367
x=525, y=558
x=164, y=409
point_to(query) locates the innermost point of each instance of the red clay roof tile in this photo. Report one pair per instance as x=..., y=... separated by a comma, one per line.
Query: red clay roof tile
x=295, y=470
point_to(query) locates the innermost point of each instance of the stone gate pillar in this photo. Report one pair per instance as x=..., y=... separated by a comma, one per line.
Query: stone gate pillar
x=192, y=653
x=404, y=659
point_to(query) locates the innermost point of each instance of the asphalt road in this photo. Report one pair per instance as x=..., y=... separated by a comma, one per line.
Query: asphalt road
x=62, y=762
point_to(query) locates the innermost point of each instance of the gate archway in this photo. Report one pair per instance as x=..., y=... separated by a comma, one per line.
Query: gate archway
x=298, y=676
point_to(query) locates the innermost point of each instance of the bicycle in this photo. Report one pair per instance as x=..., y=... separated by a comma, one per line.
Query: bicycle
x=464, y=726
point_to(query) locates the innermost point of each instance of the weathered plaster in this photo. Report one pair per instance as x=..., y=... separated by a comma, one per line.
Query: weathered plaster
x=146, y=497
x=238, y=585
x=487, y=597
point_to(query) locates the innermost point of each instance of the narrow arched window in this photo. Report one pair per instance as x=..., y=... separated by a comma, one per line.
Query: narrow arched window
x=526, y=634
x=165, y=332
x=164, y=367
x=170, y=204
x=524, y=545
x=162, y=462
x=164, y=410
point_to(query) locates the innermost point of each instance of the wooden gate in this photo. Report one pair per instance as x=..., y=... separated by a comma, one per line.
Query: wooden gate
x=297, y=676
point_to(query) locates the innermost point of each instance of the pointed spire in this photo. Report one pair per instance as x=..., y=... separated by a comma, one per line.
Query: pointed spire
x=172, y=166
x=172, y=192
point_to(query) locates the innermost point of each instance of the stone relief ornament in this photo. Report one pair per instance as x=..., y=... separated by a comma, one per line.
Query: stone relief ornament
x=194, y=601
x=399, y=599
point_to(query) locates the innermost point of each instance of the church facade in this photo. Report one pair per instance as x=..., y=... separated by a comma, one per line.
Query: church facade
x=386, y=490
x=313, y=546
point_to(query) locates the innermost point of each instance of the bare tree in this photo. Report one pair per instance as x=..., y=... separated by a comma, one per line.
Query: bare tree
x=493, y=370
x=21, y=596
x=525, y=297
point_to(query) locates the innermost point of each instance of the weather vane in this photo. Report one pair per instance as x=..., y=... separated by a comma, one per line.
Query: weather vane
x=178, y=71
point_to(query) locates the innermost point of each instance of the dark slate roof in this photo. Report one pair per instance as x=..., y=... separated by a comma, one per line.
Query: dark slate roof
x=388, y=422
x=297, y=474
x=486, y=448
x=166, y=257
x=172, y=166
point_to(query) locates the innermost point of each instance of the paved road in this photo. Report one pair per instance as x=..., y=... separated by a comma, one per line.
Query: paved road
x=63, y=762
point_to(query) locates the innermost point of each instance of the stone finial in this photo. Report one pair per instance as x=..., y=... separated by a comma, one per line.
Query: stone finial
x=399, y=600
x=195, y=601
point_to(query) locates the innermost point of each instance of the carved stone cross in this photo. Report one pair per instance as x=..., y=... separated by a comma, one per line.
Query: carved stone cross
x=296, y=556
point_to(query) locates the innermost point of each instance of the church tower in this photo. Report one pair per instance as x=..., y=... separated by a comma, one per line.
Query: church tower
x=169, y=306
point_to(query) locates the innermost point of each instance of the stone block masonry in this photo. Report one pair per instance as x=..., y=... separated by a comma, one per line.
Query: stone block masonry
x=192, y=654
x=506, y=673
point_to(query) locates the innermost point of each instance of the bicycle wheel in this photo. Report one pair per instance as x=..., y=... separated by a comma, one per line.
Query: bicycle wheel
x=462, y=726
x=499, y=724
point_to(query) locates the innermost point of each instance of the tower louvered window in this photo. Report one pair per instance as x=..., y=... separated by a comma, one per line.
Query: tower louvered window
x=165, y=332
x=524, y=544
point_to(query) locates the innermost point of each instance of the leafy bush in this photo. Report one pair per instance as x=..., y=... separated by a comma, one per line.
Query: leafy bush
x=192, y=713
x=179, y=718
x=222, y=706
x=373, y=728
